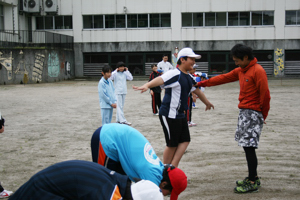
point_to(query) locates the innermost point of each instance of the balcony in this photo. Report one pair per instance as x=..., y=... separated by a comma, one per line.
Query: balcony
x=12, y=39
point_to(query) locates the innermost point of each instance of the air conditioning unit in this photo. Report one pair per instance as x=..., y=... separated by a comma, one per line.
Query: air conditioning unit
x=50, y=6
x=23, y=6
x=33, y=6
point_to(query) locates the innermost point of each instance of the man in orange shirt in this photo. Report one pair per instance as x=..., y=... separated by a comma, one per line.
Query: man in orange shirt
x=254, y=106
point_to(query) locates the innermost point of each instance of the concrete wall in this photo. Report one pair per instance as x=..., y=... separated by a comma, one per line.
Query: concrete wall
x=35, y=66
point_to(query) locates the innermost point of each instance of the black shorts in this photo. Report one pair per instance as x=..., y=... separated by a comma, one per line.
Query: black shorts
x=176, y=130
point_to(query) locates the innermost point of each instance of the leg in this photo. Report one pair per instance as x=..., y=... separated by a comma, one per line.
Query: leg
x=110, y=115
x=158, y=100
x=168, y=154
x=120, y=105
x=123, y=103
x=190, y=108
x=176, y=153
x=187, y=114
x=252, y=162
x=154, y=110
x=105, y=115
x=177, y=138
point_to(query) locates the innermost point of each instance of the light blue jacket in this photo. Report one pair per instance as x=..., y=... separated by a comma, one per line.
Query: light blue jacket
x=106, y=93
x=119, y=79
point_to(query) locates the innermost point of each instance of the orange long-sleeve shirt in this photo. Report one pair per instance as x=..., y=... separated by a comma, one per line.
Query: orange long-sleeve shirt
x=254, y=89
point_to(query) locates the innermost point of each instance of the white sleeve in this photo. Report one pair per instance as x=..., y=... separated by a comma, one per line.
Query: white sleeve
x=170, y=66
x=113, y=74
x=128, y=75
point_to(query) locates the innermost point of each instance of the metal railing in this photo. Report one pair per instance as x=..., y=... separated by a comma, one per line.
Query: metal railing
x=26, y=38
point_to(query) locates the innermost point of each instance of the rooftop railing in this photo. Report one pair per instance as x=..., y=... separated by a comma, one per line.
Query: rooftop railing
x=35, y=39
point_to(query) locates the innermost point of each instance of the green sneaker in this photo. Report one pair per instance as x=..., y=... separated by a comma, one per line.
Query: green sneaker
x=246, y=187
x=240, y=183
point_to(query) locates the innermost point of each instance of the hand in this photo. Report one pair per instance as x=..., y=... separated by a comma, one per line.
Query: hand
x=114, y=105
x=125, y=69
x=142, y=88
x=151, y=92
x=209, y=106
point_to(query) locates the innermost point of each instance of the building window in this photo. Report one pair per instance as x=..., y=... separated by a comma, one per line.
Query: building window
x=215, y=19
x=63, y=22
x=54, y=22
x=132, y=21
x=110, y=21
x=92, y=21
x=120, y=21
x=126, y=21
x=48, y=23
x=137, y=21
x=260, y=18
x=292, y=17
x=1, y=18
x=238, y=18
x=192, y=19
x=142, y=20
x=160, y=20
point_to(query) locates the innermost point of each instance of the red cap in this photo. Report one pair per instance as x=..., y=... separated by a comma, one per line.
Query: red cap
x=178, y=181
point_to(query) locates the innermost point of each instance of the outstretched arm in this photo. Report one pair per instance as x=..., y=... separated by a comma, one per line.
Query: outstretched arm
x=203, y=98
x=155, y=82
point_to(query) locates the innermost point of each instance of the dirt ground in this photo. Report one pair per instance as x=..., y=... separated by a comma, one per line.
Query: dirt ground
x=50, y=123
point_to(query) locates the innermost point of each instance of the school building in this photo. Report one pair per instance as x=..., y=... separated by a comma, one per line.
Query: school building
x=51, y=40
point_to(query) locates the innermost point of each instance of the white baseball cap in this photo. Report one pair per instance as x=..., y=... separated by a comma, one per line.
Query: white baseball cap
x=146, y=190
x=188, y=52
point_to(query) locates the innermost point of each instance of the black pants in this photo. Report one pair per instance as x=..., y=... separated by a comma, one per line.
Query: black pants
x=189, y=111
x=252, y=162
x=156, y=102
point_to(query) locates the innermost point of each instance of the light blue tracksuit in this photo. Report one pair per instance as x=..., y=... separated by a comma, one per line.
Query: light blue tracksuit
x=120, y=85
x=106, y=98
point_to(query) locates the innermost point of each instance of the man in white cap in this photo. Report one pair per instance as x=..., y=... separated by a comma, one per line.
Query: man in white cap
x=178, y=84
x=78, y=179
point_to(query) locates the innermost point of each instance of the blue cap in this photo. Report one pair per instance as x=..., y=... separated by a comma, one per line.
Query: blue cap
x=204, y=75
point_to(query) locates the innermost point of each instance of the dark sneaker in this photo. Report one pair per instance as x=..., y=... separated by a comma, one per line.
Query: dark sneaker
x=239, y=183
x=246, y=187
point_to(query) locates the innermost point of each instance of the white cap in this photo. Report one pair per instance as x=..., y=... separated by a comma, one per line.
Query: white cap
x=188, y=52
x=146, y=190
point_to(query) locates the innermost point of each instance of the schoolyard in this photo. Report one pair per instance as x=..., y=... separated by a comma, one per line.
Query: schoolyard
x=48, y=123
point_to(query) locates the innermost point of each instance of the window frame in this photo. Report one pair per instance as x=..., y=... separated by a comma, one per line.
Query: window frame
x=53, y=20
x=297, y=16
x=214, y=22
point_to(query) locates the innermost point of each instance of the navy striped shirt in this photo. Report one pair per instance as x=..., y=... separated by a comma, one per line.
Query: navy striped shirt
x=178, y=86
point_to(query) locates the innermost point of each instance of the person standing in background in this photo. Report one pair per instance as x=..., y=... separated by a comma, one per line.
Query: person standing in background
x=164, y=64
x=156, y=91
x=107, y=96
x=3, y=193
x=120, y=76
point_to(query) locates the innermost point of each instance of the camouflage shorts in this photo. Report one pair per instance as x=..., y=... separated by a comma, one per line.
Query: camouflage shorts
x=250, y=124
